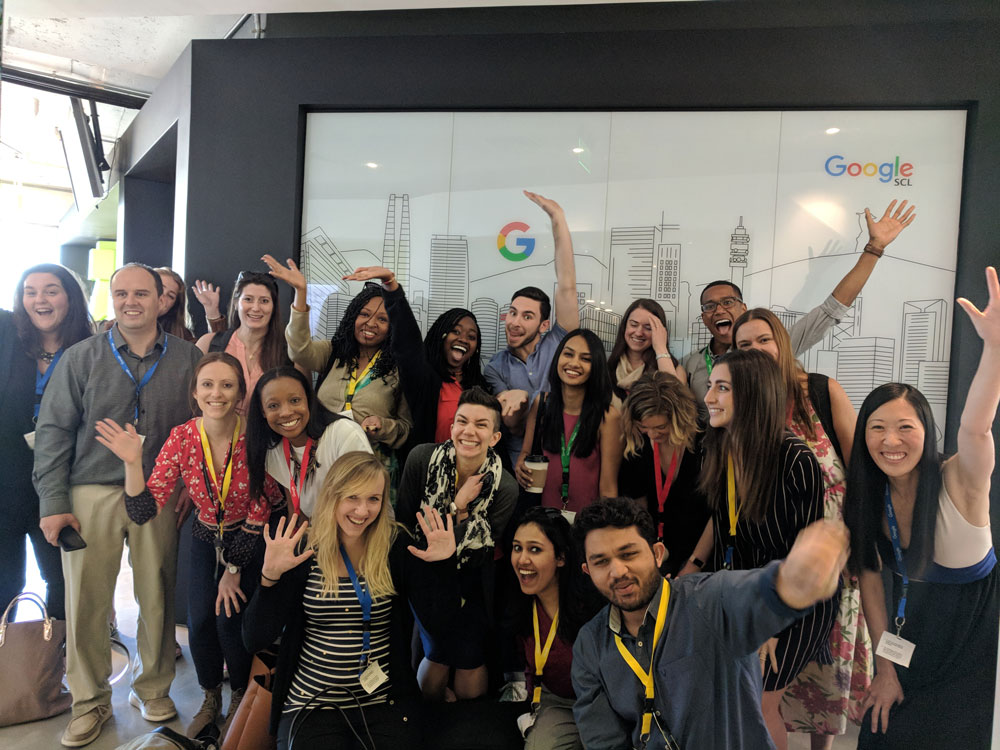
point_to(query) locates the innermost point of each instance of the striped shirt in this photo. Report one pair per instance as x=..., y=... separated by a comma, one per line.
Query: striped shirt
x=332, y=644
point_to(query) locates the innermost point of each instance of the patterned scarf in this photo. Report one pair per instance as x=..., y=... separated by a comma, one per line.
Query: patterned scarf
x=439, y=493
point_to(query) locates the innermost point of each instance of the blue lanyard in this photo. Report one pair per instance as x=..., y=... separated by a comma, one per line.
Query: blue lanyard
x=366, y=610
x=42, y=380
x=897, y=550
x=145, y=378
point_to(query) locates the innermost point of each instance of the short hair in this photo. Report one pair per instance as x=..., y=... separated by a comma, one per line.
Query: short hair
x=720, y=282
x=148, y=269
x=533, y=292
x=613, y=512
x=478, y=396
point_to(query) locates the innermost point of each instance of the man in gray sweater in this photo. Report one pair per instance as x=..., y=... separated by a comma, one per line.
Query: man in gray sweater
x=132, y=373
x=673, y=663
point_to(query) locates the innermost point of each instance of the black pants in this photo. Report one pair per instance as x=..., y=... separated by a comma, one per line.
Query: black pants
x=215, y=638
x=13, y=561
x=393, y=725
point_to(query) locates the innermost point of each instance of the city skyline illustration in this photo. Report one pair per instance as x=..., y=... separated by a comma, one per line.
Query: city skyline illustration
x=647, y=261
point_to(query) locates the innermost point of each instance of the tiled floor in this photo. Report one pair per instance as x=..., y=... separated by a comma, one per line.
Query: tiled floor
x=127, y=723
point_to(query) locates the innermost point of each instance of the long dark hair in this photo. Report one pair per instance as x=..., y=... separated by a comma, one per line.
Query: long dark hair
x=648, y=356
x=176, y=321
x=274, y=349
x=472, y=371
x=864, y=503
x=261, y=438
x=596, y=399
x=754, y=435
x=579, y=601
x=345, y=347
x=76, y=326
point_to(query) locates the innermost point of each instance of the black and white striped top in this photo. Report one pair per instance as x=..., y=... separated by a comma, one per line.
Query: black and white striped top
x=332, y=644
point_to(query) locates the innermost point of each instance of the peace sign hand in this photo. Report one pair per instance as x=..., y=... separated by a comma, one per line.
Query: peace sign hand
x=279, y=553
x=440, y=536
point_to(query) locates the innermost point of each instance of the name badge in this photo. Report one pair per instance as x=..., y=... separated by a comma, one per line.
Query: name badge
x=569, y=516
x=372, y=677
x=29, y=438
x=525, y=722
x=895, y=649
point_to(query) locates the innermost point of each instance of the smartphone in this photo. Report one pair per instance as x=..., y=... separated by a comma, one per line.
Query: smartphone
x=70, y=539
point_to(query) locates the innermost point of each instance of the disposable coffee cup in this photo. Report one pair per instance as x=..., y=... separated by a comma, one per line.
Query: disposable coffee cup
x=539, y=466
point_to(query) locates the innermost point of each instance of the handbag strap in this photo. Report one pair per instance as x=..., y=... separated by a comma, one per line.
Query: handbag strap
x=28, y=597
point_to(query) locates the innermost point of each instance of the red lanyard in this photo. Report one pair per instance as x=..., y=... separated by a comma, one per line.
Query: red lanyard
x=297, y=492
x=663, y=484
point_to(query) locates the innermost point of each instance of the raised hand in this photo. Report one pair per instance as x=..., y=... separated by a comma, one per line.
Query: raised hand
x=549, y=206
x=811, y=571
x=288, y=273
x=208, y=295
x=279, y=551
x=368, y=273
x=124, y=443
x=657, y=331
x=886, y=229
x=439, y=534
x=987, y=322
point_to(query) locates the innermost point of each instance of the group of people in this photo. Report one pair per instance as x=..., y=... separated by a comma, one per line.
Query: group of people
x=649, y=552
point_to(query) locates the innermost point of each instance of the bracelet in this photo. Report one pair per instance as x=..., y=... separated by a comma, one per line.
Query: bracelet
x=268, y=578
x=219, y=317
x=699, y=564
x=872, y=250
x=661, y=356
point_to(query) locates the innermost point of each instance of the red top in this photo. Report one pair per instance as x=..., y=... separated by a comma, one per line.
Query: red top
x=182, y=458
x=447, y=406
x=556, y=674
x=584, y=474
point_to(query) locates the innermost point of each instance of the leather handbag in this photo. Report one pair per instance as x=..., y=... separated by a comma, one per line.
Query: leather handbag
x=34, y=653
x=249, y=728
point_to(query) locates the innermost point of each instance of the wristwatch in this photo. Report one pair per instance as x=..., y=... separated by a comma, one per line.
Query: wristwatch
x=232, y=569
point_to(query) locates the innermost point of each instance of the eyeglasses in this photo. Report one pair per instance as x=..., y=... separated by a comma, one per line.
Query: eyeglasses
x=726, y=302
x=255, y=277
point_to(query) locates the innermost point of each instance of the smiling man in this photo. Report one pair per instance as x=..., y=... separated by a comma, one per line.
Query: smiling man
x=722, y=301
x=673, y=663
x=519, y=372
x=132, y=373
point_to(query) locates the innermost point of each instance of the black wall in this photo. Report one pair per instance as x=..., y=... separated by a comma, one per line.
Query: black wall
x=246, y=98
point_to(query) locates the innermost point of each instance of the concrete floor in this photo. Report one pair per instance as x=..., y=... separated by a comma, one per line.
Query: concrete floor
x=126, y=723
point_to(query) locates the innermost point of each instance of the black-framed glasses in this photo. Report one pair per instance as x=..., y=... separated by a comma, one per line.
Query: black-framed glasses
x=254, y=277
x=725, y=303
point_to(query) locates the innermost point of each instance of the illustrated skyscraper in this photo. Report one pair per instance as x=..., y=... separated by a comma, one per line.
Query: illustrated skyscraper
x=396, y=242
x=333, y=309
x=923, y=337
x=487, y=313
x=449, y=274
x=739, y=251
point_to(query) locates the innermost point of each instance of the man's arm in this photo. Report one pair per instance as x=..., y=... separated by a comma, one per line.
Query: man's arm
x=600, y=727
x=567, y=310
x=808, y=331
x=59, y=419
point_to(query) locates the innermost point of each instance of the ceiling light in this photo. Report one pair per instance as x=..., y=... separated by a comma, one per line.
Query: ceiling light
x=589, y=301
x=578, y=150
x=831, y=131
x=371, y=165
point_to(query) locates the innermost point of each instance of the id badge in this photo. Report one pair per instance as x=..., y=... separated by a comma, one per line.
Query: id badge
x=569, y=515
x=29, y=438
x=895, y=649
x=525, y=722
x=372, y=677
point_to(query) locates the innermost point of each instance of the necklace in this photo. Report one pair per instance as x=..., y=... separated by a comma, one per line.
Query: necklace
x=47, y=356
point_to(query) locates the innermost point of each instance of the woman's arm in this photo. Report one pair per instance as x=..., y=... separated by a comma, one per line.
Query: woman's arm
x=126, y=444
x=844, y=419
x=976, y=450
x=612, y=447
x=702, y=551
x=302, y=349
x=204, y=342
x=885, y=690
x=521, y=473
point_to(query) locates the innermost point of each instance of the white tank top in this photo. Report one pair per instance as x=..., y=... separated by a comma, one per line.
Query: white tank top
x=957, y=543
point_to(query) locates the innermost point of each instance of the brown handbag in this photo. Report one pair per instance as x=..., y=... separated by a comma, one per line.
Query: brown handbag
x=32, y=659
x=249, y=728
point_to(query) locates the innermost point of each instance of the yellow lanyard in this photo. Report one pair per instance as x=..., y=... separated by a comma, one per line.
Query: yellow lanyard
x=646, y=677
x=734, y=514
x=352, y=384
x=541, y=654
x=228, y=478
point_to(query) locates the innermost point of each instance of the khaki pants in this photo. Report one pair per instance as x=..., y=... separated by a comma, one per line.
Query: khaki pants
x=554, y=727
x=90, y=587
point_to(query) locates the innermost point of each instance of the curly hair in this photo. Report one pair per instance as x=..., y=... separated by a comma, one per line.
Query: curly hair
x=472, y=371
x=344, y=344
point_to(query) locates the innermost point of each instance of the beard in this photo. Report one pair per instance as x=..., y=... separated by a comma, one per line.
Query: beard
x=643, y=593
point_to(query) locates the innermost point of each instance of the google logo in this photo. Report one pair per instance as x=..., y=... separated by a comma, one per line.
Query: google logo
x=836, y=166
x=526, y=243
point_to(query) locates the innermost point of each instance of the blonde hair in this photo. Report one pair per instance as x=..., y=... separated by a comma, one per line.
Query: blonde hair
x=349, y=474
x=659, y=395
